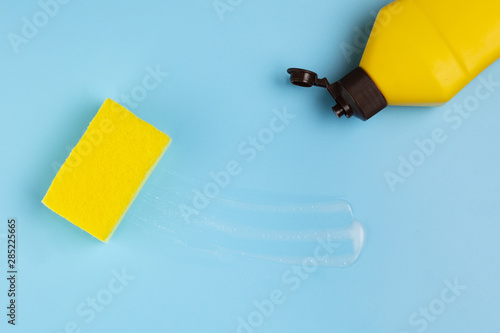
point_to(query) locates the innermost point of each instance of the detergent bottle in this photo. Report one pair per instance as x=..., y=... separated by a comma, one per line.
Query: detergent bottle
x=420, y=53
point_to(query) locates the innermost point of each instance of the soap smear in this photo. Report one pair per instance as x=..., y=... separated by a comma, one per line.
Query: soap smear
x=257, y=225
x=325, y=233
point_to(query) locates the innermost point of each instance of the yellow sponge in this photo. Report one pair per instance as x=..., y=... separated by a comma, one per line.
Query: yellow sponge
x=106, y=170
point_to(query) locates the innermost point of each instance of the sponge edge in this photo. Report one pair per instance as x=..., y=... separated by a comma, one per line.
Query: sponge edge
x=105, y=171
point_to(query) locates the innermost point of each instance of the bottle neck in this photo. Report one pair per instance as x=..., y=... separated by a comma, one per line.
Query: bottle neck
x=357, y=95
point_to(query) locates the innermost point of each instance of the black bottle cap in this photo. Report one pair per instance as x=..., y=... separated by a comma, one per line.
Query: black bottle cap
x=356, y=94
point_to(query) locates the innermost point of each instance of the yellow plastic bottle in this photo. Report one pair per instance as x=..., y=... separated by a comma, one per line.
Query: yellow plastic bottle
x=420, y=53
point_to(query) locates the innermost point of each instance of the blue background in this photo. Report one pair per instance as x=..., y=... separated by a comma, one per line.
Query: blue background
x=226, y=75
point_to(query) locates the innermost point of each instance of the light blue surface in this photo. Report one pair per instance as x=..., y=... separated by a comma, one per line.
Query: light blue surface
x=226, y=81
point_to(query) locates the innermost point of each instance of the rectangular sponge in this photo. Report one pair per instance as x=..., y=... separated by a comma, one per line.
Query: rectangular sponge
x=105, y=171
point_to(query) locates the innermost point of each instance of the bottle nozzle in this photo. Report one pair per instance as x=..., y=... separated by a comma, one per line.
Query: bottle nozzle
x=339, y=111
x=356, y=94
